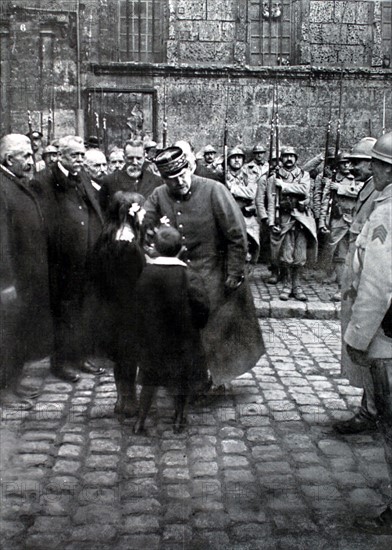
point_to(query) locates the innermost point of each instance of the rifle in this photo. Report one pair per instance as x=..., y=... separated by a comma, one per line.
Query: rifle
x=49, y=126
x=332, y=193
x=383, y=116
x=277, y=153
x=30, y=124
x=327, y=139
x=164, y=122
x=105, y=136
x=225, y=135
x=97, y=129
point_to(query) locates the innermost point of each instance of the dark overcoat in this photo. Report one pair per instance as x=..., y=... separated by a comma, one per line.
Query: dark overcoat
x=115, y=268
x=25, y=326
x=74, y=223
x=120, y=181
x=171, y=308
x=214, y=235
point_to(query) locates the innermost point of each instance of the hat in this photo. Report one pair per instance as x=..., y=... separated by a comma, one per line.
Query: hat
x=259, y=148
x=343, y=157
x=34, y=134
x=209, y=149
x=92, y=141
x=150, y=144
x=288, y=151
x=49, y=149
x=363, y=149
x=382, y=149
x=171, y=161
x=236, y=151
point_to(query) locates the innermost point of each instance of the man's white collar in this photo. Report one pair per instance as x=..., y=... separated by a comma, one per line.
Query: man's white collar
x=165, y=260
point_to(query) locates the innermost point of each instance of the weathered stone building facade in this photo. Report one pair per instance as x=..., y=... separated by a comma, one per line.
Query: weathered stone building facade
x=197, y=62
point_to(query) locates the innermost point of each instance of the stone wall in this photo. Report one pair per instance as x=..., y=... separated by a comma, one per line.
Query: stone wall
x=207, y=73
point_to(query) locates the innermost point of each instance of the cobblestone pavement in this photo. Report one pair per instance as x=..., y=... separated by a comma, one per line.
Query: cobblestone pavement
x=262, y=468
x=318, y=306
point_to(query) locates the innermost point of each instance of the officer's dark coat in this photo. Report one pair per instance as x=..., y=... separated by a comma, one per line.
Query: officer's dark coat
x=25, y=326
x=120, y=181
x=74, y=223
x=213, y=231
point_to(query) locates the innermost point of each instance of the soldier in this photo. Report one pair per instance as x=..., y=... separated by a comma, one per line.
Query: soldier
x=368, y=335
x=319, y=184
x=292, y=225
x=258, y=165
x=50, y=156
x=244, y=186
x=208, y=166
x=337, y=209
x=361, y=169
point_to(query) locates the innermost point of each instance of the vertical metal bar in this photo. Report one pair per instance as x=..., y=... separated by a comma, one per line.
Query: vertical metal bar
x=153, y=29
x=139, y=22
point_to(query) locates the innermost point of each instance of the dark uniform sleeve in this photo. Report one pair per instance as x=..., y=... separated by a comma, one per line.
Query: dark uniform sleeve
x=231, y=223
x=7, y=278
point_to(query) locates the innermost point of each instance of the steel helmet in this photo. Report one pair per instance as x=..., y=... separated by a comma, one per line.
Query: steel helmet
x=343, y=156
x=49, y=149
x=289, y=151
x=362, y=150
x=259, y=148
x=236, y=151
x=209, y=149
x=382, y=149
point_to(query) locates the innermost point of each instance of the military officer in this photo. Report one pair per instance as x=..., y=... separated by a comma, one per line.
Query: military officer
x=245, y=186
x=208, y=166
x=291, y=222
x=337, y=209
x=258, y=164
x=369, y=332
x=361, y=168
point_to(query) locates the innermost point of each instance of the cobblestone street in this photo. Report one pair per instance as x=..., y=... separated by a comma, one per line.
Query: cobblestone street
x=262, y=468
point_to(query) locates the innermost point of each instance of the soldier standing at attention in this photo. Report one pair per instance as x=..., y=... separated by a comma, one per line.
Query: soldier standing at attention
x=361, y=168
x=244, y=186
x=369, y=332
x=208, y=167
x=337, y=209
x=292, y=225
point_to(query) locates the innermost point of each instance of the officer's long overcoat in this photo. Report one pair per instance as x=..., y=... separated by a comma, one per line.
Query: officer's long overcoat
x=213, y=232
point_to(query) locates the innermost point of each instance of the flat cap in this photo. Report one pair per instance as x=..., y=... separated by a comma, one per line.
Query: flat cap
x=50, y=149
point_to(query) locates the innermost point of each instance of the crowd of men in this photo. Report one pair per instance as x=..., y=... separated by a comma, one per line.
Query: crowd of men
x=332, y=212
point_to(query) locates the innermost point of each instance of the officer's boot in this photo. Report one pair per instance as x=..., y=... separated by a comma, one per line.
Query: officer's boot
x=129, y=399
x=287, y=284
x=298, y=291
x=273, y=278
x=339, y=268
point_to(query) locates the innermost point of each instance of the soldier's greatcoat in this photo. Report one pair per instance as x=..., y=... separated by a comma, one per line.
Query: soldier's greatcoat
x=296, y=189
x=364, y=207
x=370, y=324
x=213, y=232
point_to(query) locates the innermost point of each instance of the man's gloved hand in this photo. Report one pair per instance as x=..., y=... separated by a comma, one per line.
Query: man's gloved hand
x=233, y=282
x=358, y=356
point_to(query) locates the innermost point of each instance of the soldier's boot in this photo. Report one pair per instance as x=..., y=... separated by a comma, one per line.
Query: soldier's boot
x=126, y=403
x=287, y=284
x=273, y=278
x=298, y=291
x=179, y=420
x=339, y=269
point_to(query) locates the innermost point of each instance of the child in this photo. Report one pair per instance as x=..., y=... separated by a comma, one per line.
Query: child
x=117, y=261
x=172, y=307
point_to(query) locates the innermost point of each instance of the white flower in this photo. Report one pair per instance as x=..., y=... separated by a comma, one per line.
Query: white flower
x=165, y=220
x=140, y=215
x=134, y=209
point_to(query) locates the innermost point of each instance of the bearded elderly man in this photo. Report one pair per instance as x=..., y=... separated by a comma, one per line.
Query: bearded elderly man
x=25, y=320
x=134, y=177
x=214, y=244
x=74, y=223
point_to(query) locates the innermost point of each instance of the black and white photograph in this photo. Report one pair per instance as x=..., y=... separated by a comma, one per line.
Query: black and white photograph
x=196, y=275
